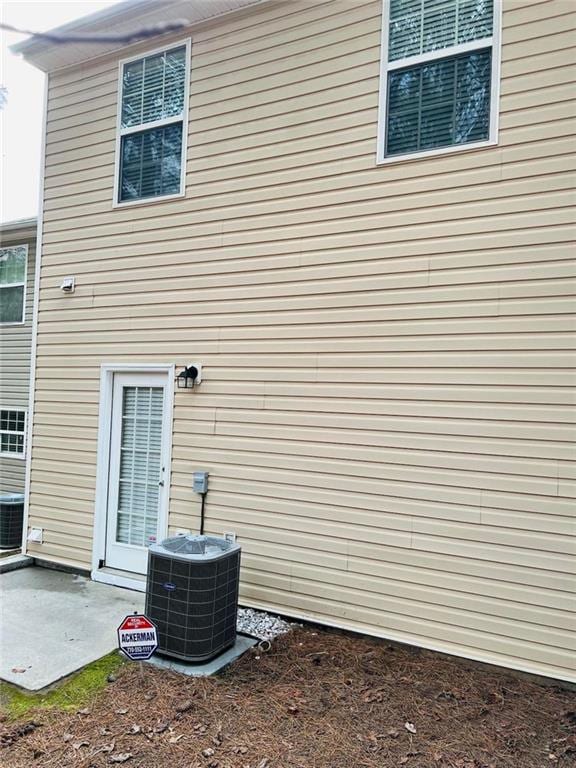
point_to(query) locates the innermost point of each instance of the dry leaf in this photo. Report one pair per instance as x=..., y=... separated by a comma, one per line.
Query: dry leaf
x=67, y=737
x=410, y=727
x=83, y=711
x=570, y=747
x=121, y=757
x=175, y=739
x=135, y=729
x=80, y=744
x=371, y=696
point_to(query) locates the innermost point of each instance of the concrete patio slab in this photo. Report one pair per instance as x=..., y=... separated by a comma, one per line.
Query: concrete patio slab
x=54, y=623
x=212, y=667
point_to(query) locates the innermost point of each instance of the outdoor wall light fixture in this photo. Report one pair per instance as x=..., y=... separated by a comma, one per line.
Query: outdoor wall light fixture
x=191, y=375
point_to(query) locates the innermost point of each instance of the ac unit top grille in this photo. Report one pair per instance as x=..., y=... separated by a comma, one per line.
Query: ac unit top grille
x=196, y=548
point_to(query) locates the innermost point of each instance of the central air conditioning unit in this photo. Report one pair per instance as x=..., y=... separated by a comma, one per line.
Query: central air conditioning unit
x=11, y=520
x=192, y=595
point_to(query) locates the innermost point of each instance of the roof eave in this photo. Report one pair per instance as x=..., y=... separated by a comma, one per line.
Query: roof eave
x=127, y=17
x=18, y=229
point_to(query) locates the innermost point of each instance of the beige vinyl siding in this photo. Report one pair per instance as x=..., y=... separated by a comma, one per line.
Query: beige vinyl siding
x=387, y=410
x=15, y=350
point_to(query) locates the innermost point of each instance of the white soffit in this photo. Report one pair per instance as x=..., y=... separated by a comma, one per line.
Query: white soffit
x=124, y=18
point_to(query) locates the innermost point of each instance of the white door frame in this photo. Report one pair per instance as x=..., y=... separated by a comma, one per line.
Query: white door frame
x=107, y=371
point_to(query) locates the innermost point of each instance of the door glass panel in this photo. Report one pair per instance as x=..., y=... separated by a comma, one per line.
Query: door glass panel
x=140, y=465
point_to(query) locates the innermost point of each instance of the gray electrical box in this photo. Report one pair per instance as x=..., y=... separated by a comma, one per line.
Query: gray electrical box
x=200, y=482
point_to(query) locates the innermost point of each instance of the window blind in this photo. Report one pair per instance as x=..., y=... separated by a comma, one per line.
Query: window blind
x=150, y=162
x=153, y=88
x=439, y=104
x=421, y=26
x=140, y=465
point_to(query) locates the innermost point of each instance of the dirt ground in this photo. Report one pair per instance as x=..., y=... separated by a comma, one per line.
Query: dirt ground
x=317, y=699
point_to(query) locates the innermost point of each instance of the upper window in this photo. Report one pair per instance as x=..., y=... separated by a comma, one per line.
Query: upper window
x=152, y=125
x=13, y=262
x=12, y=429
x=439, y=83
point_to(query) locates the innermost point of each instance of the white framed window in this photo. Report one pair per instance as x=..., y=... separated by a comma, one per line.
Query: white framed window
x=12, y=432
x=13, y=267
x=439, y=78
x=151, y=136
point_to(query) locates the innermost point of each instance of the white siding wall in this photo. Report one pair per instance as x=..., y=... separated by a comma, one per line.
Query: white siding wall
x=387, y=412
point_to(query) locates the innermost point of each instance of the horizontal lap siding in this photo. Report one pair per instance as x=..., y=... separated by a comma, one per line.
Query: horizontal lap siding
x=387, y=410
x=15, y=349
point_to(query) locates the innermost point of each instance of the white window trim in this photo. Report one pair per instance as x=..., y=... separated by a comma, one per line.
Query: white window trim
x=23, y=283
x=385, y=67
x=120, y=132
x=9, y=454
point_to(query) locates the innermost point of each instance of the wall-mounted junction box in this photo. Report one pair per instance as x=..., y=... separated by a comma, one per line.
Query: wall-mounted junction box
x=200, y=482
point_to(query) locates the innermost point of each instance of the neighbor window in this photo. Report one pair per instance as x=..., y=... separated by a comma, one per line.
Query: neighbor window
x=153, y=107
x=439, y=84
x=12, y=428
x=13, y=283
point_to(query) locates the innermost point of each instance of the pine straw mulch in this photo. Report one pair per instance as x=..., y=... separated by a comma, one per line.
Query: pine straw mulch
x=318, y=699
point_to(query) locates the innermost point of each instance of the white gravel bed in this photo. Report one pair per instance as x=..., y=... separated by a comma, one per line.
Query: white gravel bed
x=261, y=624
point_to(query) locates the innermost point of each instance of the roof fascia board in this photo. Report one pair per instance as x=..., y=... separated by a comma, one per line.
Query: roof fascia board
x=34, y=49
x=9, y=228
x=84, y=24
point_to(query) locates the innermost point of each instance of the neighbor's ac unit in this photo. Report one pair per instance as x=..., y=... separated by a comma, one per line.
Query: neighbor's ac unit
x=192, y=595
x=11, y=520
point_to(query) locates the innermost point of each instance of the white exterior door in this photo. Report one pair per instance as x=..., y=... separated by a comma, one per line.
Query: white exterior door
x=137, y=492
